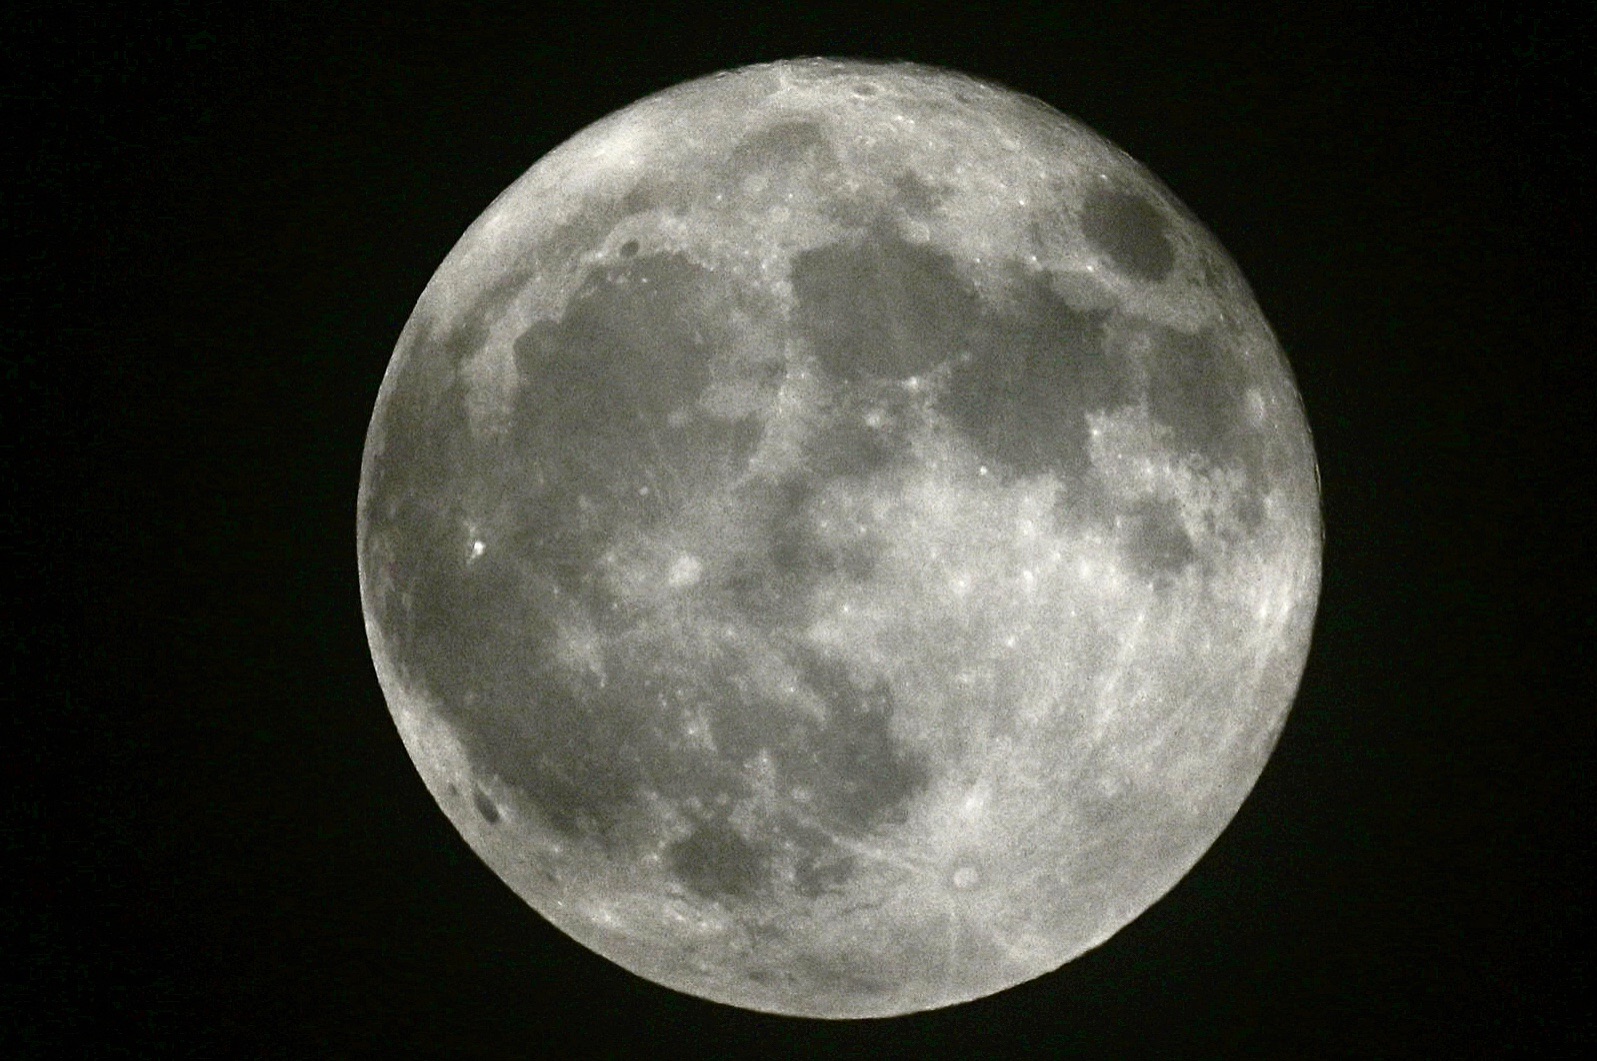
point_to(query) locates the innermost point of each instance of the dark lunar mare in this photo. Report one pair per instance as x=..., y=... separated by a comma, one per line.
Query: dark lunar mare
x=1195, y=387
x=1153, y=539
x=1130, y=231
x=878, y=307
x=603, y=439
x=605, y=410
x=1028, y=375
x=857, y=775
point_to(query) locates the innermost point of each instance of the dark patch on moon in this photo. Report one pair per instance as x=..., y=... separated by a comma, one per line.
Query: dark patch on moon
x=799, y=551
x=837, y=974
x=789, y=156
x=426, y=441
x=716, y=862
x=821, y=874
x=478, y=645
x=820, y=866
x=563, y=751
x=579, y=755
x=630, y=350
x=764, y=583
x=1249, y=508
x=571, y=476
x=599, y=417
x=1028, y=377
x=1130, y=231
x=607, y=416
x=856, y=772
x=1153, y=540
x=849, y=448
x=794, y=549
x=860, y=775
x=914, y=196
x=485, y=807
x=1196, y=388
x=782, y=146
x=880, y=307
x=771, y=583
x=762, y=595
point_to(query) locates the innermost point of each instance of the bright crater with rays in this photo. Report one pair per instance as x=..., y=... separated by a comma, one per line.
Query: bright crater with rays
x=839, y=539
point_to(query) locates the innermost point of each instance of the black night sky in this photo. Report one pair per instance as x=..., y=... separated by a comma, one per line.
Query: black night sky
x=225, y=213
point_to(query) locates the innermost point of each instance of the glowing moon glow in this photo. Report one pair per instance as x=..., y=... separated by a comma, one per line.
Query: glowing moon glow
x=838, y=539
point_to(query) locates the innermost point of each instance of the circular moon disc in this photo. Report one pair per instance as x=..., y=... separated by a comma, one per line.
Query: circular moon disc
x=838, y=539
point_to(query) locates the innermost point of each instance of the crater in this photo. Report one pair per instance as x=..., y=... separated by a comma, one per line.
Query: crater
x=485, y=807
x=1130, y=231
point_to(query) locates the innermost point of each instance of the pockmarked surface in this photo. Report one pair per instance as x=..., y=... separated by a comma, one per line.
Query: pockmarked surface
x=839, y=539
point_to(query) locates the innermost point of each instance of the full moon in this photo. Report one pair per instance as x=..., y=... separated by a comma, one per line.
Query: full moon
x=838, y=539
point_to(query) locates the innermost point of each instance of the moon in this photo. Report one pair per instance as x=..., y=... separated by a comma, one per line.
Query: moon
x=838, y=539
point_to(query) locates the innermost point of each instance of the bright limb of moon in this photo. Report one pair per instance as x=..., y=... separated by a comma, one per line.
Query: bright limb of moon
x=839, y=539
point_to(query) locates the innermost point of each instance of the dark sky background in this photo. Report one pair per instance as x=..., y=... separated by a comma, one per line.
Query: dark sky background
x=225, y=214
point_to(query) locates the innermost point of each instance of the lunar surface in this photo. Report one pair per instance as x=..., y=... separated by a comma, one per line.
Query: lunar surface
x=838, y=539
